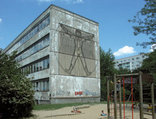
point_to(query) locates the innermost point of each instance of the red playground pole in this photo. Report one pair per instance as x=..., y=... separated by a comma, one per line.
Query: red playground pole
x=132, y=94
x=123, y=95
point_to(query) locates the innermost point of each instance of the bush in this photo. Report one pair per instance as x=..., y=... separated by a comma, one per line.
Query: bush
x=15, y=89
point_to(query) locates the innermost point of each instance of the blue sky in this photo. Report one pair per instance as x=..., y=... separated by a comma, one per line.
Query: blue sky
x=115, y=31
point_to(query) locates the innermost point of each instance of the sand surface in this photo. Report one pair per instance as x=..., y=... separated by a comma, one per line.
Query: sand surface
x=92, y=112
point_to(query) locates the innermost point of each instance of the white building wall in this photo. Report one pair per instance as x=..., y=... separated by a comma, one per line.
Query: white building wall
x=133, y=61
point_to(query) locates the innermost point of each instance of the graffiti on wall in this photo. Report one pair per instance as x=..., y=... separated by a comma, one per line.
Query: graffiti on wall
x=78, y=92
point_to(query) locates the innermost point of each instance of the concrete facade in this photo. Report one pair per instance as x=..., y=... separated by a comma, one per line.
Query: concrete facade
x=60, y=51
x=130, y=63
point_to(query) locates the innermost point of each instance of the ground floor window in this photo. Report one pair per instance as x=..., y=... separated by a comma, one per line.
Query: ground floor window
x=41, y=84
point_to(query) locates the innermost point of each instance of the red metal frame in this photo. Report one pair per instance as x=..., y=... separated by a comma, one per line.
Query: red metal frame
x=123, y=95
x=132, y=94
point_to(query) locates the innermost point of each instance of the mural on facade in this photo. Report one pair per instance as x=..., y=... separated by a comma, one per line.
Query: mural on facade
x=76, y=52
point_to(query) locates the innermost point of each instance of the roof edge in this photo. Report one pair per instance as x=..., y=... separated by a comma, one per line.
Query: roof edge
x=73, y=13
x=52, y=5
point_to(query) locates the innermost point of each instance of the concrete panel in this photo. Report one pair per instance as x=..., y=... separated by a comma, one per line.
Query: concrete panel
x=74, y=100
x=76, y=42
x=39, y=75
x=53, y=63
x=58, y=17
x=76, y=66
x=97, y=69
x=44, y=97
x=85, y=26
x=70, y=19
x=54, y=36
x=68, y=86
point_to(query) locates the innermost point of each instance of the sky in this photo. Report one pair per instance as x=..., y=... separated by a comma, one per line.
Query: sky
x=115, y=32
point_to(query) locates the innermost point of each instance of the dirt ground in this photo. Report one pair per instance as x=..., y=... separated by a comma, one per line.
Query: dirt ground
x=91, y=112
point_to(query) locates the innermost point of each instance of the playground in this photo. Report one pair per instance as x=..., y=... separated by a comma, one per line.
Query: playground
x=133, y=93
x=91, y=112
x=139, y=104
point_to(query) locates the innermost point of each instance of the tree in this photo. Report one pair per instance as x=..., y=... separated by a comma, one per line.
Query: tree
x=106, y=62
x=122, y=71
x=149, y=64
x=106, y=69
x=146, y=21
x=16, y=94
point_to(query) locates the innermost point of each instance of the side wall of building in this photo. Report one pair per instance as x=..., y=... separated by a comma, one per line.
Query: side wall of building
x=74, y=58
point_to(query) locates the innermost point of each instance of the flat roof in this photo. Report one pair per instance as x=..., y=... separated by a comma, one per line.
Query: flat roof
x=131, y=56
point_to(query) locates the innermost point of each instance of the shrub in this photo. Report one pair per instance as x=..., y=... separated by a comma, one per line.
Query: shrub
x=16, y=94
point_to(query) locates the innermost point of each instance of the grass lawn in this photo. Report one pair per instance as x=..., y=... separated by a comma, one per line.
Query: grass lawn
x=58, y=106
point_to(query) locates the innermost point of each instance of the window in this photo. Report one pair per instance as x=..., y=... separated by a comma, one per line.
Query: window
x=41, y=65
x=33, y=68
x=47, y=63
x=42, y=43
x=37, y=88
x=137, y=57
x=36, y=66
x=41, y=84
x=45, y=22
x=47, y=86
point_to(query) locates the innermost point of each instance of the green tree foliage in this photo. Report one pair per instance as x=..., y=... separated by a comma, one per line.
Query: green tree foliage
x=16, y=95
x=146, y=22
x=106, y=69
x=122, y=71
x=106, y=62
x=149, y=64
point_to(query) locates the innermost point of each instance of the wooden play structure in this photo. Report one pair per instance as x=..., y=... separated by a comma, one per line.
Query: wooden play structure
x=116, y=99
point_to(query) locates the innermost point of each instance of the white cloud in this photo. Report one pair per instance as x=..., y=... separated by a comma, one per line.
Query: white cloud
x=124, y=51
x=67, y=1
x=45, y=0
x=77, y=1
x=153, y=47
x=0, y=20
x=73, y=1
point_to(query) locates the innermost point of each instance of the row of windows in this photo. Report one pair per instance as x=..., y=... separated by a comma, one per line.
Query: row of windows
x=34, y=48
x=41, y=85
x=45, y=22
x=137, y=58
x=35, y=67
